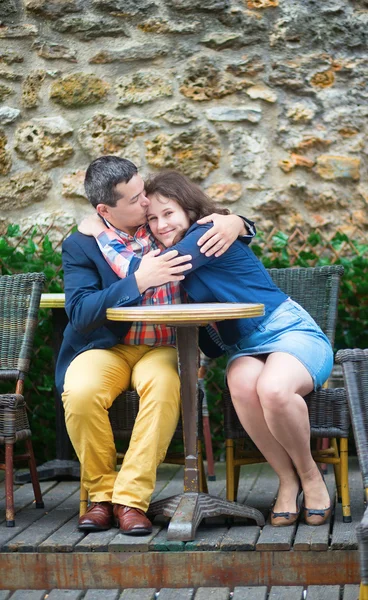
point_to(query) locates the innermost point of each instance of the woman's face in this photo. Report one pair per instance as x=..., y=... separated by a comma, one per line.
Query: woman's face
x=167, y=220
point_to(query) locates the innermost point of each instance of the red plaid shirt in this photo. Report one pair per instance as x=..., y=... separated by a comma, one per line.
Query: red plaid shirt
x=118, y=249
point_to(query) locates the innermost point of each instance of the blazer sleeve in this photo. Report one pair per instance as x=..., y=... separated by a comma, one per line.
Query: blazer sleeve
x=86, y=300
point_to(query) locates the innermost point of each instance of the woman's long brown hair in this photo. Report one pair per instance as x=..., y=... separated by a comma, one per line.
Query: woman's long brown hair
x=188, y=195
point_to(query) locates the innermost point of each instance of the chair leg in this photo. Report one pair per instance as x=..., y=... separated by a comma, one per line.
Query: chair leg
x=230, y=482
x=345, y=496
x=83, y=500
x=9, y=489
x=202, y=476
x=34, y=475
x=208, y=446
x=337, y=469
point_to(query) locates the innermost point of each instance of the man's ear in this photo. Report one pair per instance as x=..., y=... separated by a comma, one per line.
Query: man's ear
x=103, y=210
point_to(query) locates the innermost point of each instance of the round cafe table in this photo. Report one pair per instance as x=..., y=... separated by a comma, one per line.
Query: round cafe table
x=188, y=509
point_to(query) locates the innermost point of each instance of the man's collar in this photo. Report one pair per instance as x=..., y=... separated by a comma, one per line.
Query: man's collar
x=123, y=234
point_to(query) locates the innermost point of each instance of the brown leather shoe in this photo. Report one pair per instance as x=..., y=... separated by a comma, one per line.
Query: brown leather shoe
x=97, y=518
x=131, y=521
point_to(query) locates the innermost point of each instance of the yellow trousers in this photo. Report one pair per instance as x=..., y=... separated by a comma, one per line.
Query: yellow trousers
x=92, y=382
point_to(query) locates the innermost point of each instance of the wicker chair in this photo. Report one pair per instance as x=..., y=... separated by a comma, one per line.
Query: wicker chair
x=316, y=289
x=122, y=415
x=355, y=370
x=19, y=302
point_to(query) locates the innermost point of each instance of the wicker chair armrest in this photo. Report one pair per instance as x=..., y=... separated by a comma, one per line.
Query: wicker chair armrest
x=354, y=364
x=362, y=535
x=328, y=413
x=11, y=401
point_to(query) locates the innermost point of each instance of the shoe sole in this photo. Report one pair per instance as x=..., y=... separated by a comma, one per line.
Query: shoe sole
x=93, y=528
x=136, y=531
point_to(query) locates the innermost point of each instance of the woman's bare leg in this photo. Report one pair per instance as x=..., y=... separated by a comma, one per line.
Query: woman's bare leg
x=242, y=378
x=280, y=387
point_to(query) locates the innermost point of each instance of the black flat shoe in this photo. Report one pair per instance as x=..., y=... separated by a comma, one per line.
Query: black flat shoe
x=316, y=516
x=284, y=519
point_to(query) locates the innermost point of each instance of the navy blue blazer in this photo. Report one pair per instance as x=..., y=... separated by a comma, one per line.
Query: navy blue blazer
x=91, y=286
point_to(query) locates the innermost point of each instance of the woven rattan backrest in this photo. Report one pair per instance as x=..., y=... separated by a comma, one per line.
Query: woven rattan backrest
x=355, y=370
x=316, y=289
x=19, y=302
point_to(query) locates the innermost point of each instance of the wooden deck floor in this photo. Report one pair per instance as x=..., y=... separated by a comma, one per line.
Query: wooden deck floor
x=45, y=550
x=315, y=592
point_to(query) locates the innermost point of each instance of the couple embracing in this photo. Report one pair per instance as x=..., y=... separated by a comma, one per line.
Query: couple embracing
x=164, y=241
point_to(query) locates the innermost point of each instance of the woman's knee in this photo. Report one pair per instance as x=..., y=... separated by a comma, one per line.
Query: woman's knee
x=273, y=396
x=242, y=390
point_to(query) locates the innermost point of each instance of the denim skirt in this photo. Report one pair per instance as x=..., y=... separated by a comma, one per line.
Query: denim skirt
x=289, y=328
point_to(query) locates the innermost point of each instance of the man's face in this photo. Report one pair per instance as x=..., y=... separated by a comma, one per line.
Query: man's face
x=131, y=208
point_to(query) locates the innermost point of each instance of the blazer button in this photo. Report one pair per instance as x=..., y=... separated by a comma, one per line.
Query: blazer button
x=124, y=298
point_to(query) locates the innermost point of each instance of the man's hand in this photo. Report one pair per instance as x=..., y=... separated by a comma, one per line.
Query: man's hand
x=156, y=269
x=225, y=230
x=92, y=225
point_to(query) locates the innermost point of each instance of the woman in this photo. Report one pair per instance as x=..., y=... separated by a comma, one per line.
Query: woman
x=274, y=360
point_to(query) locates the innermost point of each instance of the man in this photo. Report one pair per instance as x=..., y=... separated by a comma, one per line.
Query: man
x=99, y=359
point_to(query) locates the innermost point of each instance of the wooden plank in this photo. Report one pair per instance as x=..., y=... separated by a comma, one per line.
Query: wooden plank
x=66, y=498
x=207, y=538
x=343, y=534
x=97, y=541
x=24, y=496
x=240, y=537
x=351, y=592
x=131, y=543
x=30, y=514
x=249, y=475
x=105, y=594
x=176, y=594
x=160, y=543
x=316, y=538
x=2, y=488
x=211, y=593
x=75, y=570
x=165, y=473
x=323, y=592
x=250, y=593
x=174, y=486
x=65, y=595
x=286, y=593
x=264, y=491
x=28, y=595
x=64, y=539
x=138, y=594
x=276, y=538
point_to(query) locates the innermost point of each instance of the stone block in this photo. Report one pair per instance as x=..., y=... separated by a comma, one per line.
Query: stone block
x=8, y=115
x=89, y=26
x=204, y=79
x=23, y=189
x=79, y=89
x=141, y=87
x=108, y=134
x=31, y=88
x=195, y=152
x=5, y=156
x=330, y=166
x=142, y=52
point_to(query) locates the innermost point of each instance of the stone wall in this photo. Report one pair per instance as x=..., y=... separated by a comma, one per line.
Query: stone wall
x=263, y=102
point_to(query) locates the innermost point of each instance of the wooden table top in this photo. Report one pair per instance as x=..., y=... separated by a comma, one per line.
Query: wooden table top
x=177, y=314
x=52, y=300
